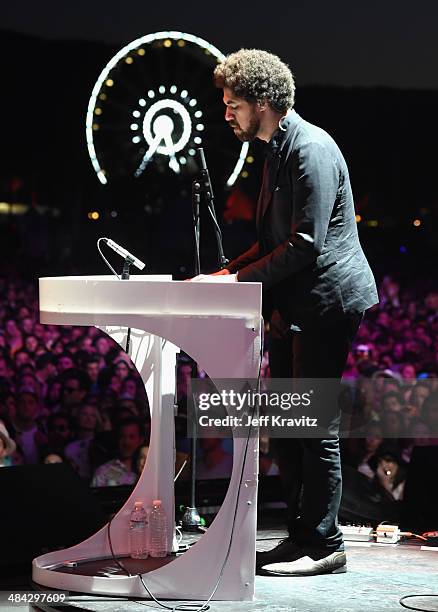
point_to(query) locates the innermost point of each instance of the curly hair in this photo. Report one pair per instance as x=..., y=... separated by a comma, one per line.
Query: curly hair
x=254, y=74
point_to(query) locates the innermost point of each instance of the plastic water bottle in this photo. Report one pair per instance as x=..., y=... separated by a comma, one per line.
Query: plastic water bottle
x=138, y=532
x=157, y=530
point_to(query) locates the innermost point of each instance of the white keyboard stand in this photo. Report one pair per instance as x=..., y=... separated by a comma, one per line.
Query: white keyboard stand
x=219, y=325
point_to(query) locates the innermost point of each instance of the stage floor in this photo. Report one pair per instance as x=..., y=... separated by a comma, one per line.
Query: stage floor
x=377, y=577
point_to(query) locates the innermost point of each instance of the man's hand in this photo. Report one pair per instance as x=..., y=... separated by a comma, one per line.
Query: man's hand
x=208, y=277
x=220, y=272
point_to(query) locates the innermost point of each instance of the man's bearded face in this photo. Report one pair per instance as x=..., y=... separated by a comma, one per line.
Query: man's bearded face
x=241, y=116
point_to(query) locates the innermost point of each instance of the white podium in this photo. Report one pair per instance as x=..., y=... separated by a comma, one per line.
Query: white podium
x=219, y=325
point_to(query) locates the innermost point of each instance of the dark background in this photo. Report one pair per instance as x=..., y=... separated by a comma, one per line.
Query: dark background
x=365, y=72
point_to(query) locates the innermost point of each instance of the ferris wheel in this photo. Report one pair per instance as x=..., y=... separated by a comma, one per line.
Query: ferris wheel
x=153, y=104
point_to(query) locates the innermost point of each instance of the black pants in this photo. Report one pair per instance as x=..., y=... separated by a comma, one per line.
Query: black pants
x=311, y=468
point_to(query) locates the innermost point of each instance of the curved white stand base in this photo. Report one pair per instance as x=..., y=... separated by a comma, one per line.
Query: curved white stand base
x=219, y=325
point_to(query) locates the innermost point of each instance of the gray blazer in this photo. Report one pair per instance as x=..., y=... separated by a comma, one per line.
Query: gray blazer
x=308, y=255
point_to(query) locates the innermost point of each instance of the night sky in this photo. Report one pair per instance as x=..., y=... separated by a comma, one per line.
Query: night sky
x=344, y=42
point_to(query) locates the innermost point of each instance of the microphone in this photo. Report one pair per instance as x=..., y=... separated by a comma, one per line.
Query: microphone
x=124, y=253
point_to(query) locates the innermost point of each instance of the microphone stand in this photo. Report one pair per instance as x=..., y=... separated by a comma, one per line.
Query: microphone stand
x=207, y=190
x=196, y=201
x=191, y=519
x=125, y=276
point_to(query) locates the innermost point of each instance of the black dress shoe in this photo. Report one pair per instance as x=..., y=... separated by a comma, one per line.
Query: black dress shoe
x=308, y=562
x=284, y=551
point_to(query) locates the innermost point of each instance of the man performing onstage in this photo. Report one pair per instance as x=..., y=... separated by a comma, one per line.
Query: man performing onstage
x=315, y=278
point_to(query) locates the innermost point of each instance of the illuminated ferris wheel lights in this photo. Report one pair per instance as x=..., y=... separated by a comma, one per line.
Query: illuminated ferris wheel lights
x=239, y=165
x=136, y=139
x=197, y=140
x=136, y=114
x=163, y=126
x=182, y=161
x=134, y=48
x=173, y=89
x=199, y=127
x=193, y=102
x=134, y=126
x=142, y=102
x=129, y=60
x=151, y=93
x=97, y=111
x=162, y=89
x=167, y=43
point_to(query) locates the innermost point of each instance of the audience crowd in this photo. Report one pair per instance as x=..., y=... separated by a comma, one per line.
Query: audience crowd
x=72, y=394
